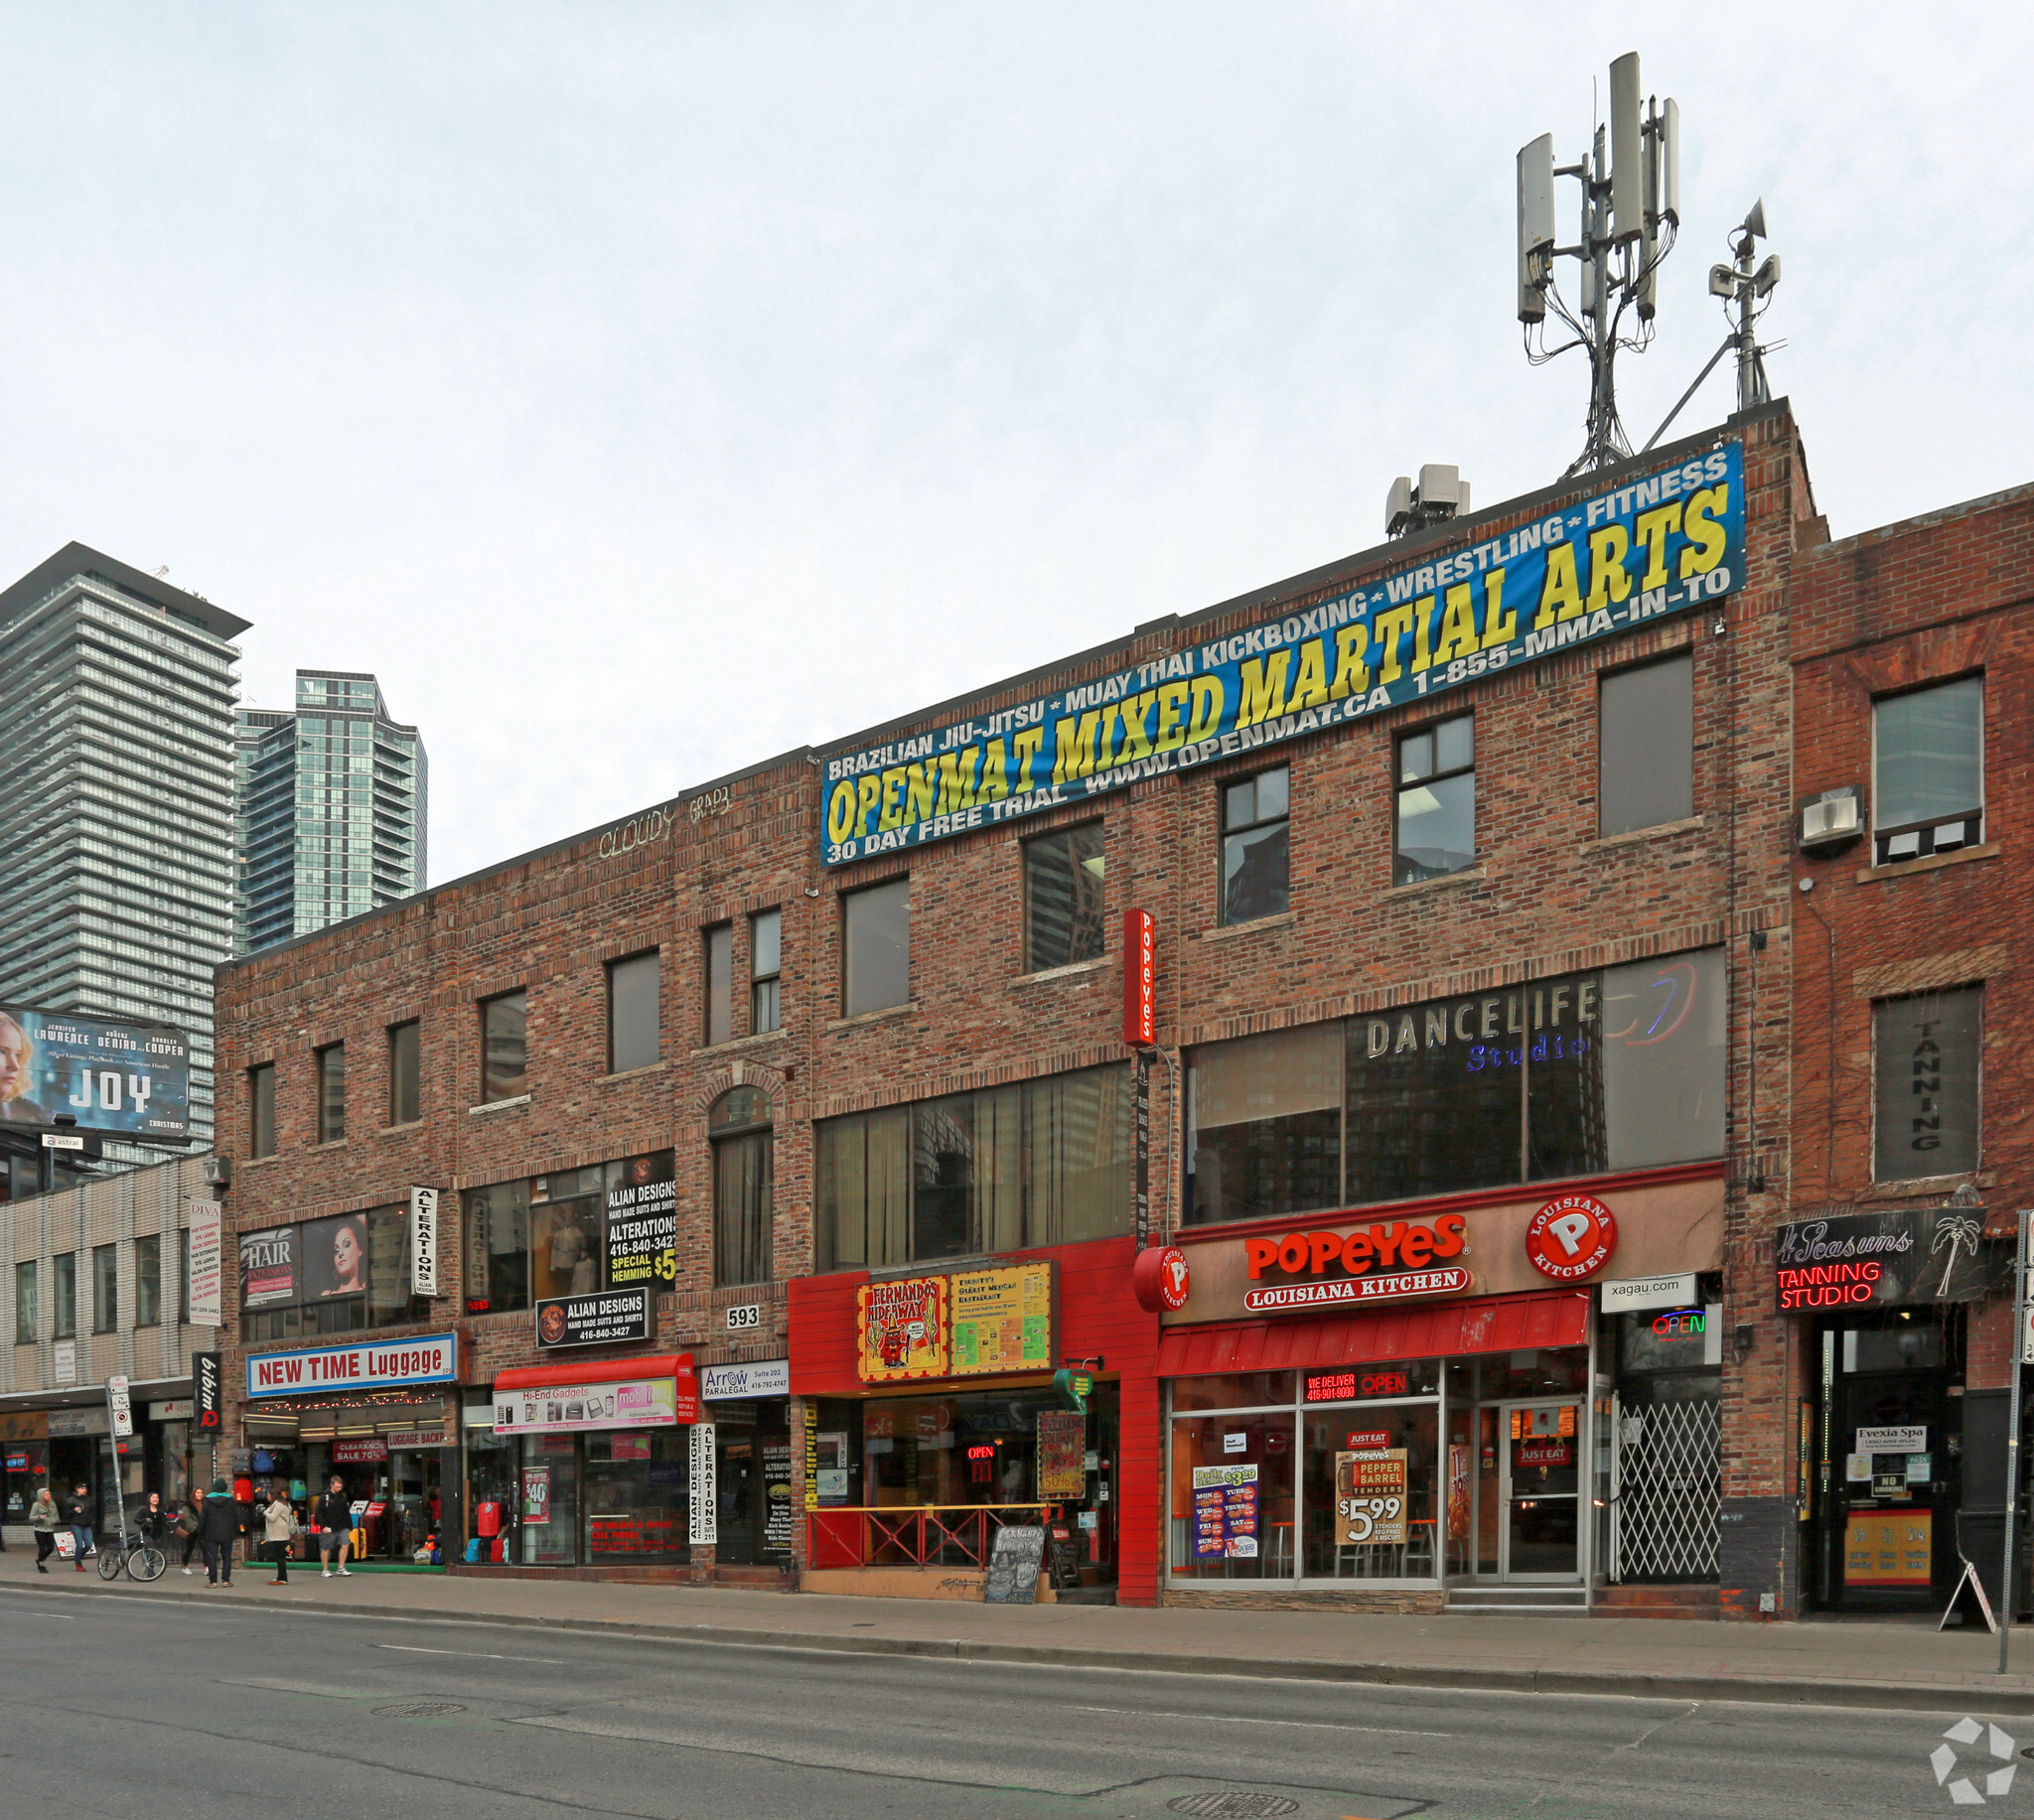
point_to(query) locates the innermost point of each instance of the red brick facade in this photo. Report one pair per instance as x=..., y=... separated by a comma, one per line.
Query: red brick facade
x=1546, y=896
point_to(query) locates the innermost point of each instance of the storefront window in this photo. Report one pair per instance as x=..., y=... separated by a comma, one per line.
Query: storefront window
x=1231, y=1496
x=497, y=1247
x=565, y=1235
x=1235, y=1390
x=549, y=1516
x=1044, y=1163
x=1372, y=1481
x=330, y=1276
x=635, y=1496
x=571, y=1232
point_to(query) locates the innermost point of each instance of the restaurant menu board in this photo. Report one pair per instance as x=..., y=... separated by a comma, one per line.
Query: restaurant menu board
x=1369, y=1497
x=1016, y=1557
x=1224, y=1513
x=901, y=1330
x=1002, y=1320
x=1062, y=1453
x=1889, y=1548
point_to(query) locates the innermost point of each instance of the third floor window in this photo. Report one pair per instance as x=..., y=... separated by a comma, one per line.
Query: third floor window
x=505, y=1047
x=1928, y=770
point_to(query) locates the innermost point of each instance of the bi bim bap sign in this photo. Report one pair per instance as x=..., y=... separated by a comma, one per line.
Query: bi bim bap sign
x=1645, y=549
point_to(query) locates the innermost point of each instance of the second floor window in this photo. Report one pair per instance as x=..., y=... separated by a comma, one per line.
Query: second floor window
x=332, y=1093
x=1436, y=801
x=105, y=1288
x=1928, y=770
x=720, y=983
x=1925, y=1081
x=328, y=1276
x=766, y=966
x=262, y=1110
x=876, y=937
x=63, y=1296
x=607, y=1225
x=505, y=1047
x=405, y=1074
x=148, y=1281
x=739, y=1129
x=1255, y=846
x=1063, y=898
x=633, y=1011
x=1645, y=746
x=25, y=1312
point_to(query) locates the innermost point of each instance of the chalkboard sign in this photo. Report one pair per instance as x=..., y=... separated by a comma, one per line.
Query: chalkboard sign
x=1065, y=1562
x=1014, y=1562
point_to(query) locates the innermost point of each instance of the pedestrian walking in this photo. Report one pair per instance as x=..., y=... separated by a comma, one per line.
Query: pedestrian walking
x=334, y=1520
x=152, y=1520
x=78, y=1513
x=220, y=1523
x=191, y=1525
x=279, y=1526
x=45, y=1518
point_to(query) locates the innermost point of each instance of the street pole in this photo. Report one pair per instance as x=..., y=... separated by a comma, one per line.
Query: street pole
x=2018, y=1354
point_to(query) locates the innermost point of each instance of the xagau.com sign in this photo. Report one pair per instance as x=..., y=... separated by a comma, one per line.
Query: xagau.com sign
x=1958, y=1771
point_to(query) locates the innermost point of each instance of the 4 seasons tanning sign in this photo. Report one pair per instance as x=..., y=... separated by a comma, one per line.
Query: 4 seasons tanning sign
x=1647, y=548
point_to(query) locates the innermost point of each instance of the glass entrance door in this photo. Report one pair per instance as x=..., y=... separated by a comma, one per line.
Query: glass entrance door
x=1540, y=1489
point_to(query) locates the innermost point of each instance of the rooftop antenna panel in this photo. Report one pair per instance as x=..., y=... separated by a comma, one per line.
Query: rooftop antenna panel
x=1627, y=161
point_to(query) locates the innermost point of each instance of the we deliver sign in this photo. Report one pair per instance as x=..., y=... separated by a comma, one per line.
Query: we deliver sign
x=434, y=1359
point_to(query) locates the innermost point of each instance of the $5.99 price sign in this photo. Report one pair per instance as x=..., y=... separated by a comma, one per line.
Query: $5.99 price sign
x=1370, y=1497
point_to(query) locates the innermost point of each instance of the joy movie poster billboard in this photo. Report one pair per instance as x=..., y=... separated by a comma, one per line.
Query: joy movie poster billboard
x=127, y=1078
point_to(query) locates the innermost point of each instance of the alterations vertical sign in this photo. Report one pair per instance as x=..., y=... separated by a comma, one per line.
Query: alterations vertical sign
x=423, y=1241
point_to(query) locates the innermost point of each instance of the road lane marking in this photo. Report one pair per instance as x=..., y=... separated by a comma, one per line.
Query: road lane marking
x=1229, y=1719
x=477, y=1655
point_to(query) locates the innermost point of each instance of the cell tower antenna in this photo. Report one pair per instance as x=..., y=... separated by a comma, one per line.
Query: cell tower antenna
x=1631, y=216
x=1744, y=290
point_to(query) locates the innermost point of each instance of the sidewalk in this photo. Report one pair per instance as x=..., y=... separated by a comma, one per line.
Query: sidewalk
x=1910, y=1666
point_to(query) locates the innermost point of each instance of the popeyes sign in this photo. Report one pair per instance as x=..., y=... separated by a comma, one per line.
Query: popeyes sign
x=1388, y=1261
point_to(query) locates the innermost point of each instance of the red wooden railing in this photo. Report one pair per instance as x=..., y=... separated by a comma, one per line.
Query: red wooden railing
x=911, y=1535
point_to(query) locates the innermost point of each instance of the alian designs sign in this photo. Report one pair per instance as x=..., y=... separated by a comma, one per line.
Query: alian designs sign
x=1645, y=549
x=433, y=1360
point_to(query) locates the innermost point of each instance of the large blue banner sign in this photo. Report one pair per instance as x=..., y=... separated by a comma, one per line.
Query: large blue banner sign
x=1647, y=548
x=105, y=1075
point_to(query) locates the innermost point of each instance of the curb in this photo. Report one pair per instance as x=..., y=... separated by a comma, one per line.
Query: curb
x=1893, y=1696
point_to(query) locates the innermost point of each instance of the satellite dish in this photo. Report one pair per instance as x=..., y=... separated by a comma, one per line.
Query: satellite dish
x=1755, y=223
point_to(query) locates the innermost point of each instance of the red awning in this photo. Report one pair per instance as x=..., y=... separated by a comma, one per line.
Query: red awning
x=595, y=1372
x=1484, y=1324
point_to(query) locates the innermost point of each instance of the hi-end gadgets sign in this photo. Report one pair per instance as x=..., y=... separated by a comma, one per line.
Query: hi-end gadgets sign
x=1626, y=557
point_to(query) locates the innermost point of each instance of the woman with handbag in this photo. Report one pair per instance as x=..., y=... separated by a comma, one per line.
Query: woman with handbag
x=279, y=1528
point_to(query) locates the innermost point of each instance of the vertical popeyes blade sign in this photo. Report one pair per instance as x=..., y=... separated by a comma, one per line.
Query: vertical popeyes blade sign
x=1140, y=1032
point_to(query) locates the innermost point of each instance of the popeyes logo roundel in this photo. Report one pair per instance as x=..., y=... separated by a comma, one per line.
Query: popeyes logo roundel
x=1161, y=1280
x=1571, y=1239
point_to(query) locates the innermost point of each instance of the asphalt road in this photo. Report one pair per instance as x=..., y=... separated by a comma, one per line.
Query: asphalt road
x=143, y=1707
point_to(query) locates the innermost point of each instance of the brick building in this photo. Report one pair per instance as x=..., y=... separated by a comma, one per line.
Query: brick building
x=1912, y=1148
x=1467, y=1113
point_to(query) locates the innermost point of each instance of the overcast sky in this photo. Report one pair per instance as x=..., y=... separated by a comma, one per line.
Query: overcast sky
x=642, y=390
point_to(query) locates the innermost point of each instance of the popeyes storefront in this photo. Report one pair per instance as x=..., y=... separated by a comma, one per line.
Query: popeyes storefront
x=1425, y=1403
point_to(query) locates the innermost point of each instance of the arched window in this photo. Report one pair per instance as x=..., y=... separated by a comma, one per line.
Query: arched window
x=738, y=1127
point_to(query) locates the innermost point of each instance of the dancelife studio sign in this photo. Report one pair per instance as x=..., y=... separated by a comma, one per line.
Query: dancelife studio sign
x=1650, y=547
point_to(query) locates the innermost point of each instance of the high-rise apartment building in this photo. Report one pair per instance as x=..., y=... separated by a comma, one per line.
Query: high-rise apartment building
x=331, y=819
x=116, y=801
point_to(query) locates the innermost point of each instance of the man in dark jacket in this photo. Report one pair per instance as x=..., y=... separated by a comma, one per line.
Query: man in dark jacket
x=334, y=1520
x=78, y=1513
x=220, y=1523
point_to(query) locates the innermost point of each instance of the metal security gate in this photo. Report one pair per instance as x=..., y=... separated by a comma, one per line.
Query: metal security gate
x=1666, y=1492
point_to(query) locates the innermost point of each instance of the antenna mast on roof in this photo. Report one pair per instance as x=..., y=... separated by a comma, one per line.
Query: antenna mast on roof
x=1631, y=216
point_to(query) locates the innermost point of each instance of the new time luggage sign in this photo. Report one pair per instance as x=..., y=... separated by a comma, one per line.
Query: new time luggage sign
x=1650, y=547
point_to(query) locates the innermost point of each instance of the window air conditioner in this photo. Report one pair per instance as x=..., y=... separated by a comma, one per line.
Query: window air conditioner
x=1832, y=819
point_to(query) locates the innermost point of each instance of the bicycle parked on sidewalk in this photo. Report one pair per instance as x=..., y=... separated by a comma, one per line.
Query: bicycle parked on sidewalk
x=142, y=1559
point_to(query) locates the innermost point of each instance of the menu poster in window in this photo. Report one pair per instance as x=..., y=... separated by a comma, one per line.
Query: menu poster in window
x=1062, y=1453
x=777, y=1490
x=1458, y=1491
x=1224, y=1515
x=642, y=1222
x=902, y=1329
x=536, y=1494
x=1369, y=1497
x=268, y=1267
x=1003, y=1319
